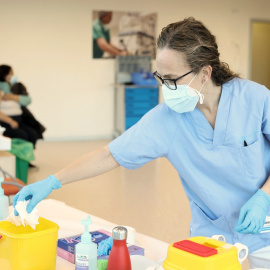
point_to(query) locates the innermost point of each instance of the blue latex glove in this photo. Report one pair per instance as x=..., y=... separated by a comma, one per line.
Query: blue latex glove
x=105, y=246
x=36, y=192
x=253, y=213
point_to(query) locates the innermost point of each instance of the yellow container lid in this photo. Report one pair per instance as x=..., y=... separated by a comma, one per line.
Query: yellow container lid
x=10, y=230
x=201, y=253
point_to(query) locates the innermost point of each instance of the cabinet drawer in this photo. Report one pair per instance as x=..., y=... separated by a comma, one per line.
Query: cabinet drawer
x=130, y=121
x=135, y=105
x=141, y=98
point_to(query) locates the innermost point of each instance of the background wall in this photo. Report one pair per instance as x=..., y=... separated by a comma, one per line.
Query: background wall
x=49, y=45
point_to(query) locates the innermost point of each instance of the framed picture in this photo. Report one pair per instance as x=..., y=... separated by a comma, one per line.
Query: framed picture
x=123, y=33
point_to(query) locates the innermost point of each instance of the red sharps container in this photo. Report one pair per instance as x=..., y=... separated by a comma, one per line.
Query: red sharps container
x=119, y=258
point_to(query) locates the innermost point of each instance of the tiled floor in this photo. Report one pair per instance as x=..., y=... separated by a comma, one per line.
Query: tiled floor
x=150, y=199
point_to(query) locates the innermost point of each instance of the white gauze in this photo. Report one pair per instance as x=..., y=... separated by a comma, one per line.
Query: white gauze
x=24, y=218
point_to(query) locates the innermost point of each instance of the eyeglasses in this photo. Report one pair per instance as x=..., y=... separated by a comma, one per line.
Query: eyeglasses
x=170, y=83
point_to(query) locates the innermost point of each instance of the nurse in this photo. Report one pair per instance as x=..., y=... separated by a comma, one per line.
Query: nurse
x=214, y=128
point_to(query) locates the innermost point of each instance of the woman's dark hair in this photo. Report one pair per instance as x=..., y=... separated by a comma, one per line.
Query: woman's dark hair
x=4, y=71
x=18, y=89
x=199, y=46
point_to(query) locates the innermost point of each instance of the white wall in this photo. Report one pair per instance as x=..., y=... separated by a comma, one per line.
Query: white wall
x=49, y=45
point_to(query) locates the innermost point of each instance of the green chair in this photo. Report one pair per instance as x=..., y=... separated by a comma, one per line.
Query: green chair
x=24, y=152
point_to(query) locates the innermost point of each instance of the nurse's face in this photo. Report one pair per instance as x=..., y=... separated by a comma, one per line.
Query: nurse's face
x=172, y=64
x=8, y=77
x=106, y=19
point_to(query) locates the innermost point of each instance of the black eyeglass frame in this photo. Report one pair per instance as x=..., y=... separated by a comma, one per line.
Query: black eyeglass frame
x=165, y=81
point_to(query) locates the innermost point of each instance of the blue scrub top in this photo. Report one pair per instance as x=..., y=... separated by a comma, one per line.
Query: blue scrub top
x=219, y=174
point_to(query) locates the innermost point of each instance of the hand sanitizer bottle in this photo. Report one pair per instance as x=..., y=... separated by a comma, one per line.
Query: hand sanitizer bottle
x=3, y=202
x=86, y=250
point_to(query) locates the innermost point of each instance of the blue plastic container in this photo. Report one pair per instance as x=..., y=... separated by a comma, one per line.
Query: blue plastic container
x=143, y=78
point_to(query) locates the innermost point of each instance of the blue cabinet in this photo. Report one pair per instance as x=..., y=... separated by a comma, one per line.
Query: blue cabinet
x=132, y=102
x=138, y=101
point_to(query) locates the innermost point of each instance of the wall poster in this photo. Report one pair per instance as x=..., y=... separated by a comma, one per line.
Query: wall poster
x=123, y=33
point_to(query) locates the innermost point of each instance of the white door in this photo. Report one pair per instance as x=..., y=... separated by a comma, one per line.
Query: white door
x=260, y=53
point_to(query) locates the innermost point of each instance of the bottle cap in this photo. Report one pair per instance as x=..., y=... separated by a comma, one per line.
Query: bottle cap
x=119, y=233
x=86, y=236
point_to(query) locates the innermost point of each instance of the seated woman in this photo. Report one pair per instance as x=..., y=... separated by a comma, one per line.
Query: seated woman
x=10, y=107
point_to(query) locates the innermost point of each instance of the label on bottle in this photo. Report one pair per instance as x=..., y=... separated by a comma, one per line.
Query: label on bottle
x=82, y=262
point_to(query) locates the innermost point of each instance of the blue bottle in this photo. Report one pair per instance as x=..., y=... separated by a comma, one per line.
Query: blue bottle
x=3, y=202
x=86, y=250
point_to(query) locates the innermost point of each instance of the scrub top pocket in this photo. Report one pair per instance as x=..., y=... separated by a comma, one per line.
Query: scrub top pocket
x=251, y=138
x=204, y=224
x=253, y=158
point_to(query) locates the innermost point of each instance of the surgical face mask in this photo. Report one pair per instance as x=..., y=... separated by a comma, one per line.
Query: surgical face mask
x=184, y=98
x=13, y=79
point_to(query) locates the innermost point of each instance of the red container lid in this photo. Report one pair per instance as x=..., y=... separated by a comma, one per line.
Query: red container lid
x=195, y=248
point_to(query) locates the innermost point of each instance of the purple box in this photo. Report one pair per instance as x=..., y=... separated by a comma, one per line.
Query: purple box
x=66, y=246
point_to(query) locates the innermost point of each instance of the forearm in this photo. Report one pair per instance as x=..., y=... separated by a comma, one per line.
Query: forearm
x=266, y=186
x=6, y=119
x=119, y=50
x=110, y=49
x=23, y=100
x=107, y=47
x=95, y=163
x=12, y=97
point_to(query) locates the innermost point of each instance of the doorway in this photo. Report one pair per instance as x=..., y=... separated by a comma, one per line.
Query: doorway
x=260, y=52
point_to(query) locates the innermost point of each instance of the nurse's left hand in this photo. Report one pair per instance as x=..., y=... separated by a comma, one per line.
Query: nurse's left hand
x=105, y=246
x=253, y=213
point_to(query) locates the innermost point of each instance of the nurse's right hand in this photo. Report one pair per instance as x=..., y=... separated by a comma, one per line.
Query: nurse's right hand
x=36, y=192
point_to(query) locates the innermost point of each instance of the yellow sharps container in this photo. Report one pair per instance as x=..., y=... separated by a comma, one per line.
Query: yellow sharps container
x=202, y=253
x=23, y=248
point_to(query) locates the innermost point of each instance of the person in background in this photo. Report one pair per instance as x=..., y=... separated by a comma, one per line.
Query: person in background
x=27, y=117
x=101, y=37
x=8, y=120
x=10, y=107
x=213, y=126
